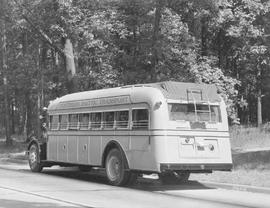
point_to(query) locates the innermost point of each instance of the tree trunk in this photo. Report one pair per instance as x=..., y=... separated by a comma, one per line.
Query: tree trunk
x=25, y=134
x=13, y=117
x=4, y=69
x=204, y=36
x=27, y=121
x=72, y=84
x=259, y=96
x=259, y=109
x=155, y=38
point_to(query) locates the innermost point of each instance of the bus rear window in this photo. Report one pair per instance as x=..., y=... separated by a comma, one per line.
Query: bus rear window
x=187, y=112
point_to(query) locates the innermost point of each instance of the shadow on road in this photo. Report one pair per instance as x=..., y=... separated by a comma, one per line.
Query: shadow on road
x=158, y=186
x=74, y=173
x=145, y=184
x=23, y=204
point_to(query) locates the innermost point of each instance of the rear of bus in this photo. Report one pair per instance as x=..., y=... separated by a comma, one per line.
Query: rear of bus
x=195, y=137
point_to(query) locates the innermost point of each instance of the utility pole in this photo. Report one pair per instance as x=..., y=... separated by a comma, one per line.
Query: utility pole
x=4, y=70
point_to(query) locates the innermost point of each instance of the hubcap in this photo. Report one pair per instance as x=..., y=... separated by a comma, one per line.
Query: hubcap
x=114, y=168
x=33, y=156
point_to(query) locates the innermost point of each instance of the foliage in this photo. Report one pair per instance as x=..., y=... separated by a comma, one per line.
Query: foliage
x=223, y=42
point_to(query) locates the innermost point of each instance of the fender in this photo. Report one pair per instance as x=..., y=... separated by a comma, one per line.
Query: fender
x=113, y=144
x=42, y=147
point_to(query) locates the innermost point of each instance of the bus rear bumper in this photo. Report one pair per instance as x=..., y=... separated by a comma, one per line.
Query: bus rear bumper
x=203, y=168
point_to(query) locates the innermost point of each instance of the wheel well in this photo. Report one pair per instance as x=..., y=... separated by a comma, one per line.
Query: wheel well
x=32, y=142
x=112, y=145
x=41, y=147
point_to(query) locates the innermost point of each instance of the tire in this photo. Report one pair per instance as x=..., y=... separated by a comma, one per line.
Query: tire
x=116, y=166
x=183, y=176
x=174, y=177
x=34, y=158
x=132, y=179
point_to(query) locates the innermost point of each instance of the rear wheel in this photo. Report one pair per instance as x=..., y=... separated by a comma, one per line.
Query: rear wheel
x=116, y=165
x=183, y=176
x=174, y=177
x=34, y=159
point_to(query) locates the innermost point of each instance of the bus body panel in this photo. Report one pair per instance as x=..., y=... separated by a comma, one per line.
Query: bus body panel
x=95, y=151
x=83, y=146
x=142, y=161
x=175, y=150
x=72, y=151
x=52, y=148
x=62, y=148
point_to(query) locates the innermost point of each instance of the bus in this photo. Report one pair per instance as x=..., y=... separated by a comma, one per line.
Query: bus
x=168, y=128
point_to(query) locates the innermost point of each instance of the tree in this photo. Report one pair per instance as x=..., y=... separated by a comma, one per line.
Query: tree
x=4, y=69
x=244, y=23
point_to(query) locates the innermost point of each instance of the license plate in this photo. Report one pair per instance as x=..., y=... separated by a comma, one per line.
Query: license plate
x=200, y=148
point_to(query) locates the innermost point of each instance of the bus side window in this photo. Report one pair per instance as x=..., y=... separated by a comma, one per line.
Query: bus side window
x=95, y=120
x=108, y=120
x=140, y=119
x=54, y=122
x=63, y=122
x=84, y=121
x=122, y=119
x=73, y=121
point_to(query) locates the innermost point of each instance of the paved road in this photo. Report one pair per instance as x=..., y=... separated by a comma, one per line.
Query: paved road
x=56, y=187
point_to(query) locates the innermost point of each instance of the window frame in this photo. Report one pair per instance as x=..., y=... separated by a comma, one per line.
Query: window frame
x=127, y=126
x=51, y=123
x=105, y=124
x=94, y=122
x=73, y=125
x=60, y=122
x=81, y=127
x=148, y=119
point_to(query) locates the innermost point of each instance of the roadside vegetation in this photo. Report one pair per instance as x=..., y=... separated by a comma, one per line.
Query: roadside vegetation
x=251, y=150
x=250, y=138
x=18, y=147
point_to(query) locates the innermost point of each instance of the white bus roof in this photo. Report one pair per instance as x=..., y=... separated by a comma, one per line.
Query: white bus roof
x=188, y=91
x=121, y=95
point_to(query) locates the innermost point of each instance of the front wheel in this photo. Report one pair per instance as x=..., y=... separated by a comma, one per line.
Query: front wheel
x=115, y=165
x=34, y=159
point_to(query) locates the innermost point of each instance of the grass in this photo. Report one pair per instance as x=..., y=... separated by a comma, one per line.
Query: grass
x=252, y=177
x=247, y=138
x=17, y=147
x=250, y=169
